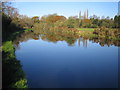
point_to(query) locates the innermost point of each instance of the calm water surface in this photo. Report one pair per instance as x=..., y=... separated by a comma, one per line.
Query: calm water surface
x=57, y=65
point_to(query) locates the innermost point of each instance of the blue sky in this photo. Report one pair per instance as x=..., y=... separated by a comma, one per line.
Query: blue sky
x=67, y=8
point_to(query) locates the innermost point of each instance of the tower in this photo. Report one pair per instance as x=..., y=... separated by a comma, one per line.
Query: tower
x=80, y=15
x=87, y=13
x=85, y=16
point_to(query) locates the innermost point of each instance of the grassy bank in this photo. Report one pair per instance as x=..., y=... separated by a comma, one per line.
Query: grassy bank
x=13, y=36
x=85, y=29
x=13, y=75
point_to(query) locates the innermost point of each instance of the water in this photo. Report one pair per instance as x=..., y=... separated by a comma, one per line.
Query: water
x=84, y=64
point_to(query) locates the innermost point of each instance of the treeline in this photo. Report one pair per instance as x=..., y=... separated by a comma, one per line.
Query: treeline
x=60, y=25
x=13, y=75
x=55, y=20
x=105, y=22
x=12, y=21
x=69, y=40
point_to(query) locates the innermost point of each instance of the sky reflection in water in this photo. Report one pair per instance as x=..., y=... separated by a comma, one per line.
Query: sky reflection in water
x=57, y=65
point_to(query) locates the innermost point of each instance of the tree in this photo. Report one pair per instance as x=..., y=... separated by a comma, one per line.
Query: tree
x=103, y=17
x=70, y=23
x=35, y=19
x=54, y=17
x=107, y=17
x=25, y=21
x=117, y=21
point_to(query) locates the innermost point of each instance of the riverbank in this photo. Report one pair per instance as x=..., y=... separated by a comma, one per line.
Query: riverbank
x=108, y=33
x=13, y=67
x=13, y=75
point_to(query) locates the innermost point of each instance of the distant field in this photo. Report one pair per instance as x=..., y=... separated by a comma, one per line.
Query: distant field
x=86, y=29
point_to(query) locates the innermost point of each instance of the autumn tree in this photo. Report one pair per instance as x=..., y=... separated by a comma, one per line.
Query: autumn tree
x=35, y=19
x=54, y=17
x=25, y=21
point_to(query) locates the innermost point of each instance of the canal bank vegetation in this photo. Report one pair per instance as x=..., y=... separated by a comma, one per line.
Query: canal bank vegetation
x=53, y=23
x=52, y=27
x=93, y=27
x=13, y=75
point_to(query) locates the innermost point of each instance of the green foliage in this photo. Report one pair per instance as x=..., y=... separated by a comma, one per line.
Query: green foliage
x=107, y=32
x=35, y=19
x=25, y=22
x=116, y=39
x=20, y=84
x=72, y=23
x=95, y=21
x=60, y=24
x=8, y=47
x=26, y=30
x=117, y=21
x=108, y=23
x=8, y=27
x=12, y=70
x=87, y=34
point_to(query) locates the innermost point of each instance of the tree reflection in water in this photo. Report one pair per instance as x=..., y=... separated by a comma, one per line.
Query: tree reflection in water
x=70, y=40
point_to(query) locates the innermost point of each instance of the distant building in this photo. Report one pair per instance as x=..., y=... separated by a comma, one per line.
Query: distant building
x=83, y=19
x=85, y=16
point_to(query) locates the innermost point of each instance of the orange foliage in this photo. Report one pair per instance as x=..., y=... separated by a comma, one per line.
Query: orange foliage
x=35, y=17
x=86, y=21
x=53, y=19
x=35, y=38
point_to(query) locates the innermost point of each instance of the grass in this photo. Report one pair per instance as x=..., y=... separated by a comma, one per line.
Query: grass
x=27, y=30
x=116, y=39
x=13, y=75
x=85, y=29
x=8, y=48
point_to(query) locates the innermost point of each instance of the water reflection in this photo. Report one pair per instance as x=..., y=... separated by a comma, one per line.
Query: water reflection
x=49, y=65
x=85, y=42
x=70, y=40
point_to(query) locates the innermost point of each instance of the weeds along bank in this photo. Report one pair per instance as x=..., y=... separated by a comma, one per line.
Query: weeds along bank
x=113, y=34
x=13, y=75
x=103, y=32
